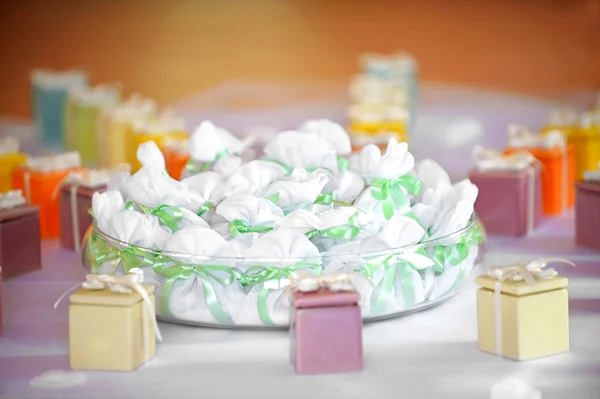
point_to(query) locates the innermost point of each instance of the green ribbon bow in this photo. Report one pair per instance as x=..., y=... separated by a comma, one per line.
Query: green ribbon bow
x=396, y=267
x=391, y=193
x=168, y=215
x=261, y=274
x=238, y=227
x=338, y=232
x=207, y=276
x=343, y=163
x=457, y=253
x=327, y=199
x=129, y=257
x=204, y=166
x=205, y=207
x=274, y=198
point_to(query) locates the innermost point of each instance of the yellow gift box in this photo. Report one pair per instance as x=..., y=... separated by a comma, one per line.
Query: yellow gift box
x=161, y=130
x=10, y=159
x=114, y=125
x=523, y=319
x=112, y=324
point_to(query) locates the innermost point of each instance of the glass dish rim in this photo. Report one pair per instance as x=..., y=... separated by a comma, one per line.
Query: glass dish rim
x=473, y=220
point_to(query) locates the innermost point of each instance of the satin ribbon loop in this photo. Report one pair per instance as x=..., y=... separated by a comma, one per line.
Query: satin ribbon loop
x=458, y=252
x=344, y=232
x=131, y=257
x=343, y=163
x=238, y=227
x=168, y=215
x=527, y=271
x=391, y=193
x=205, y=207
x=325, y=199
x=207, y=274
x=190, y=166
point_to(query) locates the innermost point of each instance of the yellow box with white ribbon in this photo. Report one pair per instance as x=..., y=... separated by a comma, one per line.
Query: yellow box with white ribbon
x=523, y=311
x=112, y=325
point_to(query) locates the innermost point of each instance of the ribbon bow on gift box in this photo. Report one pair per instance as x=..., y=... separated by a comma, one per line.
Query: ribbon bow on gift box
x=336, y=282
x=488, y=159
x=520, y=136
x=528, y=271
x=125, y=284
x=9, y=145
x=11, y=199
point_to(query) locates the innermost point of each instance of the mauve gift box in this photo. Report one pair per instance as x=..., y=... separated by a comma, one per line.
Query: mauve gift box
x=20, y=249
x=326, y=332
x=0, y=302
x=75, y=202
x=503, y=201
x=587, y=214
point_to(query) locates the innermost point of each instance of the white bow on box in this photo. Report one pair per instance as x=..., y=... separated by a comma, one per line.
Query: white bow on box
x=125, y=284
x=9, y=145
x=12, y=199
x=336, y=282
x=527, y=271
x=592, y=175
x=488, y=159
x=520, y=136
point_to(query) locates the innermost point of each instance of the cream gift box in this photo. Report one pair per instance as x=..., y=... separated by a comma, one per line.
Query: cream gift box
x=526, y=317
x=112, y=325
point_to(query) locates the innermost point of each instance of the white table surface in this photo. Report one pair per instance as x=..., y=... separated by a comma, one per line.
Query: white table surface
x=431, y=354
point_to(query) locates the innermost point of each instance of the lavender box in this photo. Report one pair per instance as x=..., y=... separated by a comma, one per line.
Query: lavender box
x=587, y=214
x=20, y=249
x=507, y=199
x=1, y=302
x=74, y=204
x=326, y=332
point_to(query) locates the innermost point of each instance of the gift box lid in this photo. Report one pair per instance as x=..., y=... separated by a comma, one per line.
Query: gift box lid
x=588, y=186
x=107, y=297
x=521, y=288
x=83, y=190
x=325, y=298
x=17, y=212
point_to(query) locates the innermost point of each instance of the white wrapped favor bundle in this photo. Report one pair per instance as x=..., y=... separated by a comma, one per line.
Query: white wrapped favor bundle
x=223, y=243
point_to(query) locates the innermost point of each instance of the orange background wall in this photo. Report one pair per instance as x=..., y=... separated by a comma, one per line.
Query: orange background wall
x=170, y=49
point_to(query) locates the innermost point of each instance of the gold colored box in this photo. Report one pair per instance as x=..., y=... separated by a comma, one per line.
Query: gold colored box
x=533, y=318
x=110, y=331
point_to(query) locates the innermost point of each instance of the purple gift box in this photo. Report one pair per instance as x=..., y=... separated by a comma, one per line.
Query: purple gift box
x=509, y=202
x=20, y=249
x=587, y=214
x=326, y=332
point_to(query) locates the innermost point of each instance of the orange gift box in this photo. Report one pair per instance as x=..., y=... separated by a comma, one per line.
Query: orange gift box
x=558, y=171
x=176, y=152
x=40, y=181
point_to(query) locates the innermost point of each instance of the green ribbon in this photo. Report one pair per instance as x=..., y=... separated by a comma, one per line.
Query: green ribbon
x=326, y=199
x=261, y=274
x=457, y=253
x=205, y=207
x=204, y=166
x=206, y=274
x=395, y=267
x=130, y=257
x=274, y=198
x=391, y=193
x=339, y=232
x=169, y=219
x=343, y=163
x=238, y=227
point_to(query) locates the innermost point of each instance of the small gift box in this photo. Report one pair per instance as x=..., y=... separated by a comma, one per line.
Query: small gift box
x=10, y=158
x=160, y=130
x=523, y=311
x=112, y=324
x=49, y=97
x=177, y=155
x=76, y=201
x=83, y=113
x=558, y=191
x=510, y=191
x=326, y=325
x=20, y=250
x=1, y=323
x=40, y=181
x=587, y=215
x=374, y=118
x=113, y=126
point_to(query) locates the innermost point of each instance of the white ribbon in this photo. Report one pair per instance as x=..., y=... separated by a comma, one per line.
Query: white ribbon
x=520, y=136
x=11, y=199
x=75, y=217
x=522, y=271
x=487, y=159
x=125, y=284
x=27, y=184
x=336, y=282
x=9, y=145
x=592, y=175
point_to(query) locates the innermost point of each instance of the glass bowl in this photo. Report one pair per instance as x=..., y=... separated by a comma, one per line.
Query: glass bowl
x=254, y=293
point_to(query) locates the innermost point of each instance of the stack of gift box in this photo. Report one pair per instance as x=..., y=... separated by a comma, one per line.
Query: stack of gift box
x=542, y=174
x=383, y=99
